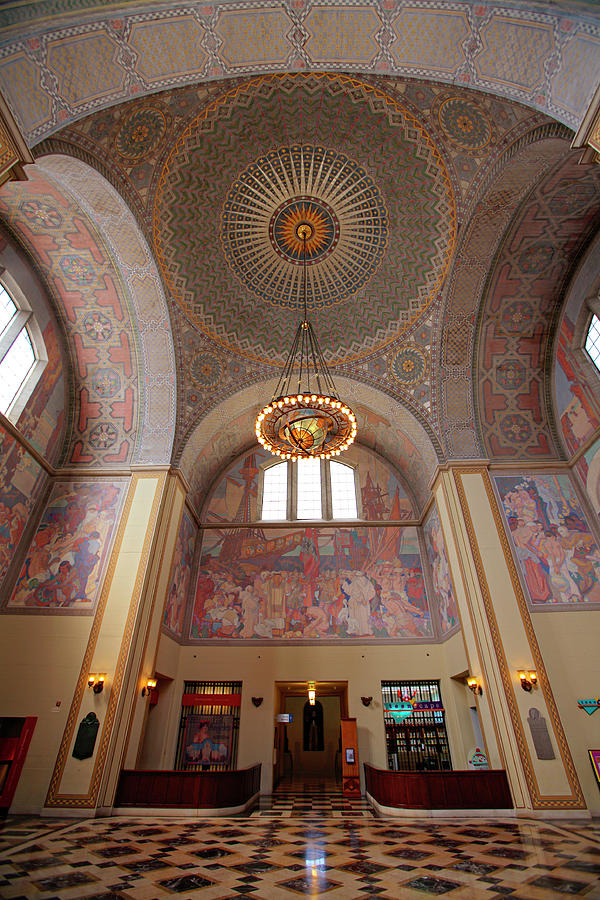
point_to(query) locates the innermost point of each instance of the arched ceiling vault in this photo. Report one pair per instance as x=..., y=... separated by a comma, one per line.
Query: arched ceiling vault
x=216, y=173
x=384, y=426
x=100, y=273
x=61, y=63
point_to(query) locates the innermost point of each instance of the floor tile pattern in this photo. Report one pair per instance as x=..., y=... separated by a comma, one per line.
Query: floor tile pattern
x=275, y=853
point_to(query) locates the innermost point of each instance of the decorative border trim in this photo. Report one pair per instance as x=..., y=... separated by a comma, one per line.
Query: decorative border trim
x=576, y=800
x=87, y=801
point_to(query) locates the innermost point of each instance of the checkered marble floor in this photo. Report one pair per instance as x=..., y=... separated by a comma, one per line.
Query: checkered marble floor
x=313, y=854
x=318, y=797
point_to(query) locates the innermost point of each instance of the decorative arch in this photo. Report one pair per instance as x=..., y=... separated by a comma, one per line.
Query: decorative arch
x=544, y=57
x=523, y=165
x=393, y=432
x=85, y=242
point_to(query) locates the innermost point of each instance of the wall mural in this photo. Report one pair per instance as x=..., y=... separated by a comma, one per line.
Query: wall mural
x=557, y=553
x=67, y=557
x=588, y=468
x=181, y=573
x=21, y=480
x=382, y=496
x=440, y=570
x=576, y=400
x=326, y=584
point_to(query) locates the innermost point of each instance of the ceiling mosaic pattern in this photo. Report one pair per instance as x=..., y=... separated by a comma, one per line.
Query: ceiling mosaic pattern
x=131, y=145
x=514, y=361
x=60, y=60
x=390, y=186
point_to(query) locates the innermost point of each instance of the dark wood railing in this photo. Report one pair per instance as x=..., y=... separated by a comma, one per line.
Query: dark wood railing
x=165, y=789
x=487, y=789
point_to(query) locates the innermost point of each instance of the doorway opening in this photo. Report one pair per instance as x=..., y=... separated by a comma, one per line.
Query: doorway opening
x=307, y=748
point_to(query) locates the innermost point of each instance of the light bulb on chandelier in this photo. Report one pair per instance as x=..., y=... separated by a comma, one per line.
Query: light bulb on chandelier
x=305, y=420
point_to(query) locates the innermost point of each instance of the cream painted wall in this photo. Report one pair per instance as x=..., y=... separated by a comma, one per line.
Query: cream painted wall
x=569, y=645
x=259, y=667
x=41, y=658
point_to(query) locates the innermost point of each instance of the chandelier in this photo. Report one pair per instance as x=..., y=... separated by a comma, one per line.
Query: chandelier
x=305, y=419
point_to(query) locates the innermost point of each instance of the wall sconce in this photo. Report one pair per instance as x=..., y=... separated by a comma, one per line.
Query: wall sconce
x=311, y=693
x=529, y=680
x=96, y=682
x=257, y=701
x=149, y=687
x=366, y=701
x=474, y=686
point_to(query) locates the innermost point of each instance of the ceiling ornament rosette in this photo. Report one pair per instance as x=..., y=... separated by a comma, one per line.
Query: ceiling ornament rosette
x=390, y=188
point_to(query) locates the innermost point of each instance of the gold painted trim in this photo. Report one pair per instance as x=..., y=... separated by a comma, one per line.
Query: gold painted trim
x=533, y=643
x=463, y=580
x=54, y=799
x=539, y=802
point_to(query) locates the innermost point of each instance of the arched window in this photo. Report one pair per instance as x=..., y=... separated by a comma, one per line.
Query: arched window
x=22, y=354
x=592, y=341
x=307, y=490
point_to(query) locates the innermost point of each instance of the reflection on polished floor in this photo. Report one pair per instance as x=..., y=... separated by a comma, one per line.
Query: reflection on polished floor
x=300, y=842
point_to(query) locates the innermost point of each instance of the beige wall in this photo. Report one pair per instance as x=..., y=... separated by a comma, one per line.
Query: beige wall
x=569, y=645
x=259, y=667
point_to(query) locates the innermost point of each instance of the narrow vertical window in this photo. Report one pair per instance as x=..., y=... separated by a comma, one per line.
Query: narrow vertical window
x=343, y=491
x=274, y=504
x=17, y=353
x=592, y=341
x=308, y=504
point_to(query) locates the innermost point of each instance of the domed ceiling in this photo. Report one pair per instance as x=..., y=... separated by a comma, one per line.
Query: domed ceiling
x=410, y=188
x=268, y=155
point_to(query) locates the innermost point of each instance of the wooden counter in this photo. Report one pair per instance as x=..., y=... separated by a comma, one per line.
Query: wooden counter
x=463, y=789
x=167, y=789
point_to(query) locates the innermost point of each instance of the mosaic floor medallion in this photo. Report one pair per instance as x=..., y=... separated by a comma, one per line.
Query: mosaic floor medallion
x=327, y=150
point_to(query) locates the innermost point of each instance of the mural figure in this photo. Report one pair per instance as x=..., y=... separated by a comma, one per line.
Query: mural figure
x=317, y=584
x=181, y=573
x=65, y=562
x=442, y=580
x=559, y=558
x=21, y=479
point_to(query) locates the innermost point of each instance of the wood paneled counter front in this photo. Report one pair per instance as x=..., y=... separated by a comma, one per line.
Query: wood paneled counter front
x=167, y=789
x=487, y=789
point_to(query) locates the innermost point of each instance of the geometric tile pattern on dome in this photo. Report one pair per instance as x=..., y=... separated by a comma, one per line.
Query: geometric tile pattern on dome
x=93, y=309
x=310, y=855
x=109, y=134
x=388, y=152
x=545, y=56
x=517, y=314
x=530, y=159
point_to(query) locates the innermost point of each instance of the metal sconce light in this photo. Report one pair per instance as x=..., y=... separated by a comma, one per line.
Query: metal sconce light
x=149, y=687
x=474, y=686
x=311, y=693
x=96, y=682
x=366, y=701
x=529, y=680
x=257, y=701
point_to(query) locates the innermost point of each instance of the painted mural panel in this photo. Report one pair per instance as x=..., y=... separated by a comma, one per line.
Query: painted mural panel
x=235, y=496
x=588, y=469
x=315, y=584
x=440, y=570
x=67, y=558
x=576, y=400
x=382, y=496
x=181, y=574
x=557, y=553
x=21, y=480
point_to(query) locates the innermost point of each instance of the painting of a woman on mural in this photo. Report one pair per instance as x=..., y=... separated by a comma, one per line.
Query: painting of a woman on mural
x=559, y=557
